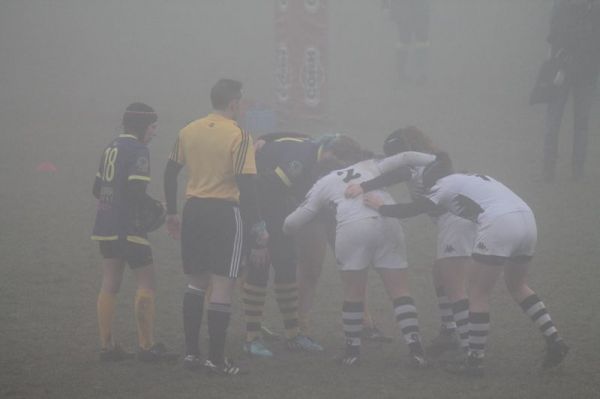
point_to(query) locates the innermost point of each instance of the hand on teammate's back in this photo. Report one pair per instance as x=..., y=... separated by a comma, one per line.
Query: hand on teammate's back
x=373, y=201
x=353, y=190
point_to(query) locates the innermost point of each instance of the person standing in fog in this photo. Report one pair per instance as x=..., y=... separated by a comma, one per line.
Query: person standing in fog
x=411, y=18
x=120, y=187
x=575, y=31
x=221, y=169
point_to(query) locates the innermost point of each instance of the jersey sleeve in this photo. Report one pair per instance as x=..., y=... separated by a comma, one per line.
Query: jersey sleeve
x=437, y=194
x=244, y=162
x=140, y=166
x=314, y=201
x=177, y=152
x=409, y=158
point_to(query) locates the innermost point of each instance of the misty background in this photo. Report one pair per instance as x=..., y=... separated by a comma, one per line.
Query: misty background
x=68, y=69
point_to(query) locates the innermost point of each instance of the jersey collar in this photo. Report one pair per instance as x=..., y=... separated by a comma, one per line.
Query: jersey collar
x=217, y=116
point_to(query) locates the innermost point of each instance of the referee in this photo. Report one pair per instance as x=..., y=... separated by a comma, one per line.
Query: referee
x=221, y=168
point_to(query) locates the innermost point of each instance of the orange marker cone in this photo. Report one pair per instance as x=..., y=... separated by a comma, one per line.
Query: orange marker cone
x=46, y=167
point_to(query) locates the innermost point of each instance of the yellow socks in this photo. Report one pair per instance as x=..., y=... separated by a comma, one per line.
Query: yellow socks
x=144, y=316
x=105, y=307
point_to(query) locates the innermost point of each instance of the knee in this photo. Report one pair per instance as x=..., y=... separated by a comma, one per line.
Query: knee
x=111, y=285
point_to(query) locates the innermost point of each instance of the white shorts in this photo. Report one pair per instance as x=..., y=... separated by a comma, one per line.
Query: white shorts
x=456, y=236
x=508, y=236
x=373, y=241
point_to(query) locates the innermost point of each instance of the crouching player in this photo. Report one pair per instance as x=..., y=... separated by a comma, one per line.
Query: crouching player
x=120, y=188
x=505, y=241
x=286, y=164
x=363, y=238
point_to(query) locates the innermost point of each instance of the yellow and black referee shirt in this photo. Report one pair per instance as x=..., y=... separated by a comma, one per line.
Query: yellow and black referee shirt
x=214, y=149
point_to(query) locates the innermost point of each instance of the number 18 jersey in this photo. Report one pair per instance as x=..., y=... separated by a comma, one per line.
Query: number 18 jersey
x=125, y=159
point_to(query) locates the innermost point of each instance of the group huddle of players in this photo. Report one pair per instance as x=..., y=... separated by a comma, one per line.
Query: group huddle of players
x=309, y=193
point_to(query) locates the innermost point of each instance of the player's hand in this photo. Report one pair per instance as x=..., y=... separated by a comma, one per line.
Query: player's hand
x=373, y=200
x=260, y=234
x=259, y=257
x=174, y=226
x=353, y=190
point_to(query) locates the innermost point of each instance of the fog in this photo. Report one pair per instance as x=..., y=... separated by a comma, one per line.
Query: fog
x=68, y=69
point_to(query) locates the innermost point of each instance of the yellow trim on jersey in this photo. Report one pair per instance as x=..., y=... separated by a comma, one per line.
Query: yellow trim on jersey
x=125, y=135
x=98, y=175
x=290, y=139
x=319, y=152
x=279, y=172
x=105, y=238
x=138, y=240
x=139, y=177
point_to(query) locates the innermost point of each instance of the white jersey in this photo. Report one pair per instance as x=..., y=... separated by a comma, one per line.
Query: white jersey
x=329, y=190
x=475, y=197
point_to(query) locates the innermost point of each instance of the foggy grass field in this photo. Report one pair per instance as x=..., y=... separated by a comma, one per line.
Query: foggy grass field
x=61, y=102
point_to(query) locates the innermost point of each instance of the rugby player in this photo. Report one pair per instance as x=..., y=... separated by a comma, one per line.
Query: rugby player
x=288, y=164
x=364, y=238
x=454, y=241
x=120, y=187
x=504, y=242
x=220, y=162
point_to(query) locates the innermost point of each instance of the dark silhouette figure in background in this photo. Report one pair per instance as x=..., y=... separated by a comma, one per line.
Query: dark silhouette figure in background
x=412, y=20
x=575, y=32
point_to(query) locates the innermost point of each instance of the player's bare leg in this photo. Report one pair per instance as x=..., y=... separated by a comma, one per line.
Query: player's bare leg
x=311, y=248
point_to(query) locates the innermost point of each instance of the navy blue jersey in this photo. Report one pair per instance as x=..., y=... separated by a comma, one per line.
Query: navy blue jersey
x=292, y=160
x=125, y=159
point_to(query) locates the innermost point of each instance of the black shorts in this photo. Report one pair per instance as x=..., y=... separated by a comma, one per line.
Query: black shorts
x=211, y=237
x=136, y=255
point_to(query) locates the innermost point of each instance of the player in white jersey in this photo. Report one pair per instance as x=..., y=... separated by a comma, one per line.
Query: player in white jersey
x=363, y=238
x=454, y=240
x=505, y=242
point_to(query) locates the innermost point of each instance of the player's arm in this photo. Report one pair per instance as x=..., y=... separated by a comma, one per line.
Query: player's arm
x=403, y=210
x=244, y=168
x=306, y=211
x=408, y=158
x=175, y=163
x=170, y=185
x=396, y=176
